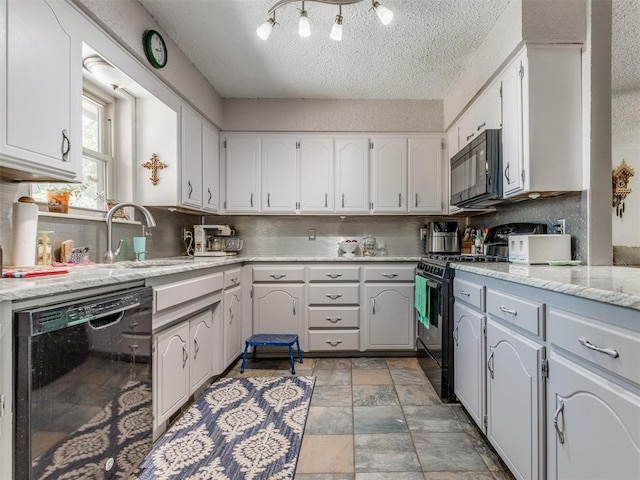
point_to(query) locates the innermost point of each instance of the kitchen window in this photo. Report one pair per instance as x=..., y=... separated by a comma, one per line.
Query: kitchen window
x=97, y=160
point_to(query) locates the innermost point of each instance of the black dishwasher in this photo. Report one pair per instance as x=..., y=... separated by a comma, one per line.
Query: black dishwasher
x=83, y=399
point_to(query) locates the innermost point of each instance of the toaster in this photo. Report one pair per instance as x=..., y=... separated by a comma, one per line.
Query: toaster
x=532, y=249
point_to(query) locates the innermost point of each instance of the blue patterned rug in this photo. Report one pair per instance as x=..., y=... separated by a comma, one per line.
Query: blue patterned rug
x=239, y=429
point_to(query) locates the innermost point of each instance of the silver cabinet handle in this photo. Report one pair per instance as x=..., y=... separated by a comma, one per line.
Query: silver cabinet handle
x=470, y=136
x=506, y=173
x=190, y=188
x=333, y=320
x=559, y=411
x=295, y=304
x=490, y=363
x=210, y=195
x=234, y=280
x=373, y=306
x=465, y=293
x=251, y=199
x=326, y=200
x=481, y=126
x=65, y=147
x=334, y=275
x=400, y=199
x=333, y=296
x=133, y=325
x=185, y=356
x=612, y=352
x=196, y=348
x=278, y=276
x=343, y=200
x=334, y=343
x=510, y=311
x=455, y=335
x=268, y=200
x=416, y=199
x=231, y=314
x=390, y=275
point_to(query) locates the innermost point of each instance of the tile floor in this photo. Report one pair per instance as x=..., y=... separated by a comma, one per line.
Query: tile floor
x=379, y=418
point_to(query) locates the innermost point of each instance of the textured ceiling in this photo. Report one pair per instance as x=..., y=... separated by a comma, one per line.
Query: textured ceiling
x=418, y=56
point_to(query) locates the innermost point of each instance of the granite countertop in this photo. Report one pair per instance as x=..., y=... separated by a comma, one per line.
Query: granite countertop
x=614, y=285
x=92, y=276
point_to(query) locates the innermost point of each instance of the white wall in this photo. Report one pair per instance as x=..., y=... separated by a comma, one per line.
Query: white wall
x=626, y=230
x=126, y=21
x=333, y=115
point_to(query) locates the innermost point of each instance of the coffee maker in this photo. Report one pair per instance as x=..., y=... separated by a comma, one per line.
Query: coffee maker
x=441, y=237
x=215, y=241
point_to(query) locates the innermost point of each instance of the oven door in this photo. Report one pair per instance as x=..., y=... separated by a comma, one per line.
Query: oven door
x=431, y=338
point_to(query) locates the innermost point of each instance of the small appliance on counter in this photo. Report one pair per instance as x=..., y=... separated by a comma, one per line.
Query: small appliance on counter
x=441, y=237
x=497, y=241
x=535, y=249
x=215, y=241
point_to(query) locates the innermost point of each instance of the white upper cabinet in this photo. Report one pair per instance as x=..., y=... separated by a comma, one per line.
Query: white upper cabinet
x=210, y=169
x=243, y=174
x=542, y=121
x=191, y=161
x=316, y=175
x=389, y=174
x=484, y=113
x=41, y=101
x=279, y=179
x=426, y=182
x=352, y=175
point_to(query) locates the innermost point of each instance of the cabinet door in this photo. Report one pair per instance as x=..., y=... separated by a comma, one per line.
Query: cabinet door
x=243, y=174
x=453, y=144
x=42, y=104
x=389, y=164
x=514, y=400
x=593, y=425
x=172, y=364
x=425, y=175
x=232, y=324
x=469, y=365
x=279, y=178
x=467, y=126
x=352, y=175
x=390, y=320
x=489, y=109
x=278, y=308
x=191, y=161
x=210, y=168
x=316, y=175
x=201, y=349
x=512, y=128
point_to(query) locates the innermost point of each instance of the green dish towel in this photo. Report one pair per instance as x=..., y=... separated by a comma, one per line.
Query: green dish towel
x=422, y=299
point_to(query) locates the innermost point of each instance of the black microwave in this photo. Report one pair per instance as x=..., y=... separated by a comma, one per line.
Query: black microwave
x=476, y=172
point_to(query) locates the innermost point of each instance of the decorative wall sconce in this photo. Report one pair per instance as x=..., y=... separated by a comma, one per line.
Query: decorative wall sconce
x=154, y=165
x=621, y=175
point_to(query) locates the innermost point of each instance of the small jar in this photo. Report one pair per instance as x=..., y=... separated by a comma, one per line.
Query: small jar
x=368, y=246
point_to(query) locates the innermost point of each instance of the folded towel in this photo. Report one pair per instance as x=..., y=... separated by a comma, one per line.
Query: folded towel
x=422, y=299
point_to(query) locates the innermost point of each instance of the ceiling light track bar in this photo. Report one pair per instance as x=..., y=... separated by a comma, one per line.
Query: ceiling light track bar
x=328, y=2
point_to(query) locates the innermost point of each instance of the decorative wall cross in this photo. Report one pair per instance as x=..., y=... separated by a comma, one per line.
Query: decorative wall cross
x=154, y=165
x=620, y=178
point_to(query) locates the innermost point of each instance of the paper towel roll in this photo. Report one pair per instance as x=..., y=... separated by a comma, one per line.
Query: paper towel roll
x=25, y=228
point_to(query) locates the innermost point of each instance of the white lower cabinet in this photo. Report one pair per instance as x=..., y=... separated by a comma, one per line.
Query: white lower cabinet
x=593, y=425
x=202, y=348
x=232, y=329
x=515, y=400
x=469, y=363
x=389, y=317
x=278, y=308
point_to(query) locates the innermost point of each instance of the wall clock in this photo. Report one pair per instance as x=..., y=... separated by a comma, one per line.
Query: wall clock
x=155, y=48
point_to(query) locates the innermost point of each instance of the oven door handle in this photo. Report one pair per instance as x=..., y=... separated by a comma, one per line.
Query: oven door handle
x=434, y=285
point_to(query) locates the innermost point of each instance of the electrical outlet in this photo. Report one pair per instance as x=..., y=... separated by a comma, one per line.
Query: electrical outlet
x=312, y=234
x=561, y=226
x=186, y=234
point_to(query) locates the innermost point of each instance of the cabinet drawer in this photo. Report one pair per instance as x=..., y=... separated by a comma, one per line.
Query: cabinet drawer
x=171, y=294
x=333, y=294
x=328, y=340
x=334, y=317
x=469, y=292
x=328, y=273
x=385, y=273
x=516, y=310
x=580, y=335
x=232, y=278
x=278, y=274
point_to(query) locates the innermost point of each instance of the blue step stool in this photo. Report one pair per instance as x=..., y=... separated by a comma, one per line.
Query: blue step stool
x=271, y=340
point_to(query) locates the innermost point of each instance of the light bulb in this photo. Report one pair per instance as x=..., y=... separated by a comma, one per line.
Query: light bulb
x=384, y=14
x=264, y=30
x=304, y=29
x=336, y=30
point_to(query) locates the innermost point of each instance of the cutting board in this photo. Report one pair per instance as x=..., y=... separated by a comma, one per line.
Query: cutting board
x=32, y=272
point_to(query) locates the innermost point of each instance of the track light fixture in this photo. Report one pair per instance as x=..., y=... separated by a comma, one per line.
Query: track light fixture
x=304, y=28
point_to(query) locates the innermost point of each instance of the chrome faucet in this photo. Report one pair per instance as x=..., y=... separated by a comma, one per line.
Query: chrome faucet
x=110, y=256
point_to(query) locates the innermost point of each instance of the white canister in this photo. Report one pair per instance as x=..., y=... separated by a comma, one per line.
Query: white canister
x=24, y=228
